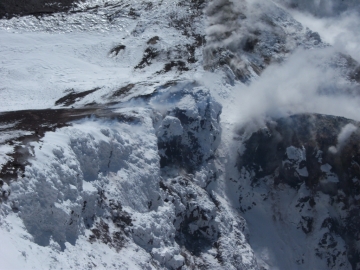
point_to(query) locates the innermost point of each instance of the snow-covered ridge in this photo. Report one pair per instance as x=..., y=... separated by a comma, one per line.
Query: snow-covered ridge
x=108, y=180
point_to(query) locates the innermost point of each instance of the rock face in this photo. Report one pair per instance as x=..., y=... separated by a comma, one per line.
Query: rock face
x=316, y=159
x=9, y=9
x=89, y=179
x=190, y=133
x=252, y=40
x=137, y=159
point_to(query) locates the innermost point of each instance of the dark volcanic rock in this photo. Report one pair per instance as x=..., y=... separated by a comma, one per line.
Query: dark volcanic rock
x=118, y=48
x=190, y=133
x=72, y=97
x=318, y=155
x=149, y=54
x=11, y=8
x=313, y=135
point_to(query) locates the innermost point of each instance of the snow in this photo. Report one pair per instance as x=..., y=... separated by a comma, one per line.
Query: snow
x=107, y=165
x=39, y=67
x=56, y=179
x=187, y=104
x=10, y=135
x=173, y=127
x=329, y=176
x=20, y=253
x=40, y=62
x=5, y=150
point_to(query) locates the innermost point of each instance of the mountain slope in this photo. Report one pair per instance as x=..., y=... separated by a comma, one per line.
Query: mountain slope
x=176, y=135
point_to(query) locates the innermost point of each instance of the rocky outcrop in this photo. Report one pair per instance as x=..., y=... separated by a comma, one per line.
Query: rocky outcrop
x=190, y=133
x=316, y=159
x=243, y=41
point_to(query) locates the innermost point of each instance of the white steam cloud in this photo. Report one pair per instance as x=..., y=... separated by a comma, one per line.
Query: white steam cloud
x=343, y=136
x=308, y=81
x=304, y=83
x=342, y=31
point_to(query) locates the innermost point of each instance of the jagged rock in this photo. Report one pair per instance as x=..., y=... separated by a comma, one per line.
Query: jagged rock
x=297, y=153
